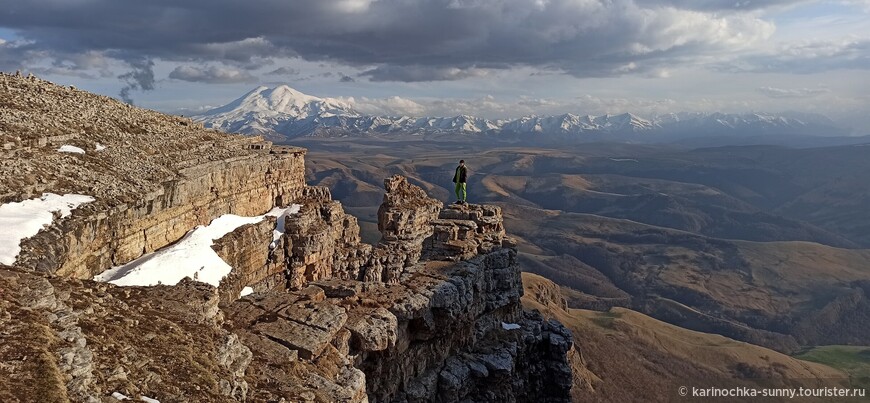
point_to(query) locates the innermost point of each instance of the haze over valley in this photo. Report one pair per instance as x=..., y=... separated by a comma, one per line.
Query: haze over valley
x=763, y=244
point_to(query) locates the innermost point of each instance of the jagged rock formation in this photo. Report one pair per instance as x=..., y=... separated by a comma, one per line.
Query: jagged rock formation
x=430, y=313
x=404, y=220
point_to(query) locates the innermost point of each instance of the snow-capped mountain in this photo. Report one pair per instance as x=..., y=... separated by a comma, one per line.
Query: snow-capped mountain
x=281, y=109
x=574, y=124
x=282, y=112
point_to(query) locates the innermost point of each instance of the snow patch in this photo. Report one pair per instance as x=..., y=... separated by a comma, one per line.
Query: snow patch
x=281, y=214
x=120, y=396
x=192, y=256
x=66, y=148
x=25, y=219
x=246, y=291
x=123, y=397
x=509, y=326
x=99, y=147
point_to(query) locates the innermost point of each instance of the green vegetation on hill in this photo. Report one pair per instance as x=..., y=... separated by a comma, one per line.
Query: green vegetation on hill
x=853, y=360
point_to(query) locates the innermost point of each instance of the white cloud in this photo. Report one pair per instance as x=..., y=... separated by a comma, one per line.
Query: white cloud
x=806, y=56
x=422, y=73
x=391, y=106
x=491, y=107
x=861, y=3
x=352, y=6
x=774, y=92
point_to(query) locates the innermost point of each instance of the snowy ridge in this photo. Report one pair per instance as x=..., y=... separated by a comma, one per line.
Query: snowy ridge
x=283, y=113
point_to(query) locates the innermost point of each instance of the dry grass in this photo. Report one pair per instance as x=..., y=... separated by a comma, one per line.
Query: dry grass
x=631, y=357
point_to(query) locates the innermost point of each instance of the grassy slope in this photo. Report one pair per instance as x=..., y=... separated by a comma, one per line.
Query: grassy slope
x=853, y=360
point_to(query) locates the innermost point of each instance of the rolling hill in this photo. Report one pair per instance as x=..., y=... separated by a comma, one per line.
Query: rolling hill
x=626, y=356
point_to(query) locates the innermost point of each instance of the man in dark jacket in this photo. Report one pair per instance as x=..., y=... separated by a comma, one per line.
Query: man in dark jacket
x=459, y=179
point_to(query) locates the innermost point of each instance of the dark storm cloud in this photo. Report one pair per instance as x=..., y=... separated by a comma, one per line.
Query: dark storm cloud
x=284, y=71
x=211, y=75
x=141, y=78
x=394, y=39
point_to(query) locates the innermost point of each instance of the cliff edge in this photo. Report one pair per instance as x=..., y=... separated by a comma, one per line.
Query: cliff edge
x=224, y=277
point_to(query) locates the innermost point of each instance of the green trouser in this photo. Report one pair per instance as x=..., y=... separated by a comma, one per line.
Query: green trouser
x=460, y=191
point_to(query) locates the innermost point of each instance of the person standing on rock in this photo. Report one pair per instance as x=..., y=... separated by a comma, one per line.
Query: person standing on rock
x=459, y=179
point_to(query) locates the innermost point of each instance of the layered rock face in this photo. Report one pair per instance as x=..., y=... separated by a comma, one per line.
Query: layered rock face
x=154, y=177
x=463, y=231
x=430, y=313
x=322, y=241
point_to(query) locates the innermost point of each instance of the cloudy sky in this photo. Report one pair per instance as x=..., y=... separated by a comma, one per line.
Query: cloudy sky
x=492, y=58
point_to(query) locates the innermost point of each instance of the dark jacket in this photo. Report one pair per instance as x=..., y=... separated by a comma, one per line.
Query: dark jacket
x=461, y=174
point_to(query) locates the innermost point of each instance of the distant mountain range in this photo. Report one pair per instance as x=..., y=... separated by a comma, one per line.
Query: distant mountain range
x=282, y=113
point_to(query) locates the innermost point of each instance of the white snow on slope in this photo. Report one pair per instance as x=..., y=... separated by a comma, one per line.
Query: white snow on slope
x=25, y=219
x=509, y=326
x=99, y=147
x=279, y=227
x=192, y=256
x=66, y=148
x=123, y=397
x=120, y=396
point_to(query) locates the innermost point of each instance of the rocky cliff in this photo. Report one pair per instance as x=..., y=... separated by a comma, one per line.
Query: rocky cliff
x=430, y=313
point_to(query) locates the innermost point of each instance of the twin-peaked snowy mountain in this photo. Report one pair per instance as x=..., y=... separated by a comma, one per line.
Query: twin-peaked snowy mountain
x=281, y=113
x=284, y=112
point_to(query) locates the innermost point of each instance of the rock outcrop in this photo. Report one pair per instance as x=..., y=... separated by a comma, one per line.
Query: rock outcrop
x=466, y=230
x=430, y=313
